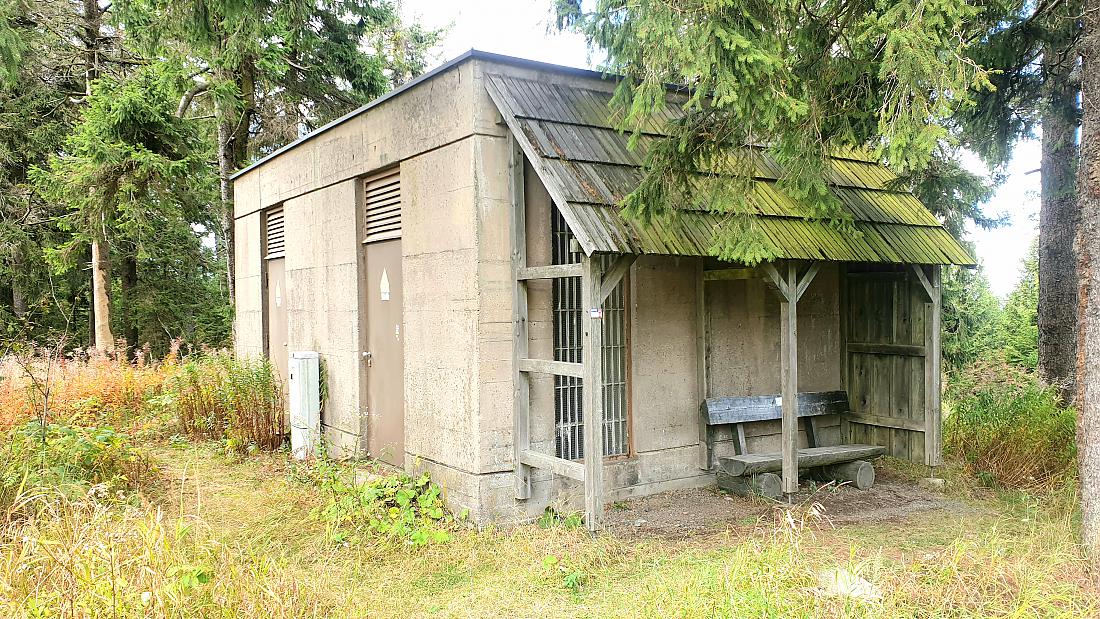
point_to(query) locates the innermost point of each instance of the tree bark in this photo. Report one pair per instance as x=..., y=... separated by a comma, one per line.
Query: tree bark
x=129, y=278
x=101, y=270
x=1058, y=212
x=1088, y=252
x=101, y=279
x=234, y=125
x=18, y=294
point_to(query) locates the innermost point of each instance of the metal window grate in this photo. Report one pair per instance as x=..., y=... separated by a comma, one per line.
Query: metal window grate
x=274, y=240
x=567, y=311
x=383, y=207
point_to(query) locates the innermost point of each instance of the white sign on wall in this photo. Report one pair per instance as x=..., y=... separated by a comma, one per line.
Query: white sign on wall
x=384, y=286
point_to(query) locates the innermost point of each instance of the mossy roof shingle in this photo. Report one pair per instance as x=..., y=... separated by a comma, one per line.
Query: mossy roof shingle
x=568, y=134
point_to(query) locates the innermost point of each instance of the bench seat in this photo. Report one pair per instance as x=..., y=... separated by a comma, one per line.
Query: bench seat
x=749, y=464
x=755, y=473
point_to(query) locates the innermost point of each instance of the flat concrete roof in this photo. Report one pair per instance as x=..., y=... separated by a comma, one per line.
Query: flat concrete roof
x=469, y=55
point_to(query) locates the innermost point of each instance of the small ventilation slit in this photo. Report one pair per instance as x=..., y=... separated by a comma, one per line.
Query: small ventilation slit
x=274, y=239
x=382, y=207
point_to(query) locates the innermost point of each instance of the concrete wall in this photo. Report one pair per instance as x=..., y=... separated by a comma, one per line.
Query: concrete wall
x=427, y=130
x=248, y=256
x=322, y=299
x=441, y=319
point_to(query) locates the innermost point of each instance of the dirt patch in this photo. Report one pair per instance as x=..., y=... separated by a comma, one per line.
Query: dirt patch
x=684, y=513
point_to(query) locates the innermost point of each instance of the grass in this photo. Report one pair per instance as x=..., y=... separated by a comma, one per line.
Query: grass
x=215, y=531
x=1008, y=429
x=242, y=539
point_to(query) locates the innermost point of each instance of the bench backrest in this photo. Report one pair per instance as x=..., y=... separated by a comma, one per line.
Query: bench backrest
x=745, y=409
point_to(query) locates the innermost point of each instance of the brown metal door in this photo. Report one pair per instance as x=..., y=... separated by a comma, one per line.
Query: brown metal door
x=384, y=358
x=276, y=315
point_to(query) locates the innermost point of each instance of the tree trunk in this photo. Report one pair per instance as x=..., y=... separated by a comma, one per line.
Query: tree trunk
x=18, y=294
x=101, y=270
x=234, y=125
x=226, y=235
x=129, y=283
x=90, y=298
x=1058, y=213
x=1088, y=252
x=101, y=280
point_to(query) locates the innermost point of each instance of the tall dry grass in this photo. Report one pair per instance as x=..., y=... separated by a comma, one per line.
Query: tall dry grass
x=87, y=560
x=1008, y=430
x=81, y=388
x=218, y=396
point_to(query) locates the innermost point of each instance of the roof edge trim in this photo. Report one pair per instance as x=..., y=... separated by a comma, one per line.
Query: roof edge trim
x=450, y=64
x=548, y=181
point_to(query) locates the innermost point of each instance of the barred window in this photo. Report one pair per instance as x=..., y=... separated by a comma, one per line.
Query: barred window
x=567, y=310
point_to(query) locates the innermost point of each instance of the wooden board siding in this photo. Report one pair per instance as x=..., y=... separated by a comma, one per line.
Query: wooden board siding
x=885, y=340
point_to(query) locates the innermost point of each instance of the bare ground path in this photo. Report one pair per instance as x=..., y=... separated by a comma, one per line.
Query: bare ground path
x=680, y=513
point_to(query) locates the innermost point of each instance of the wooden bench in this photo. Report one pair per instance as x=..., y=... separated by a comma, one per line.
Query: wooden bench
x=747, y=473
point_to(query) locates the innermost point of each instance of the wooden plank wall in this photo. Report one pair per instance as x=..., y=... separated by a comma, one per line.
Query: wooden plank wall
x=885, y=344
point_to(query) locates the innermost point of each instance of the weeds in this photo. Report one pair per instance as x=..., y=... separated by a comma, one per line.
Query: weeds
x=219, y=397
x=553, y=518
x=1008, y=430
x=91, y=390
x=87, y=560
x=395, y=507
x=73, y=462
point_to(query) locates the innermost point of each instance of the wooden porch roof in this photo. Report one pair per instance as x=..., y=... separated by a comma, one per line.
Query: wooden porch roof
x=586, y=165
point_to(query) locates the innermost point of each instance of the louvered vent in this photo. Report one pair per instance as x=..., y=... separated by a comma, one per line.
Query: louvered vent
x=275, y=240
x=383, y=207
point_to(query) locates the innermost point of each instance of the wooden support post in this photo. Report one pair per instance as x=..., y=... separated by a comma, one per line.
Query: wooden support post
x=791, y=288
x=705, y=448
x=592, y=358
x=845, y=428
x=933, y=411
x=615, y=274
x=521, y=386
x=789, y=361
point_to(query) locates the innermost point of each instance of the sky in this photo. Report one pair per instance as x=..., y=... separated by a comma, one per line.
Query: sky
x=522, y=28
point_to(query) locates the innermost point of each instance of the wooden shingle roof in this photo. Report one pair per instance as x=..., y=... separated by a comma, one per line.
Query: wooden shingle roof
x=588, y=169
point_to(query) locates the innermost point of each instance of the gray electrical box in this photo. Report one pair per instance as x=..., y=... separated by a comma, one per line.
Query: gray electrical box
x=305, y=403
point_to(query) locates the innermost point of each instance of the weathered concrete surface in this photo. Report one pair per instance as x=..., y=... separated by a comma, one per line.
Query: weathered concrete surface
x=441, y=309
x=434, y=113
x=248, y=317
x=322, y=300
x=744, y=336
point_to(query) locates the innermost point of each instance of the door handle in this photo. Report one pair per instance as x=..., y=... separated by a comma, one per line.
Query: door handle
x=369, y=357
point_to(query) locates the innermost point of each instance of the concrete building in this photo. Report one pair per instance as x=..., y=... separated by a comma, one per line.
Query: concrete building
x=454, y=253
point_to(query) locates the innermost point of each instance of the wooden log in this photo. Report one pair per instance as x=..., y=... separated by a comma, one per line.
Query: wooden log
x=749, y=464
x=765, y=484
x=859, y=473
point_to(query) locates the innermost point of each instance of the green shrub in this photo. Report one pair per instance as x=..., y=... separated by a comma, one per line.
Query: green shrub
x=220, y=397
x=1007, y=429
x=74, y=461
x=397, y=507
